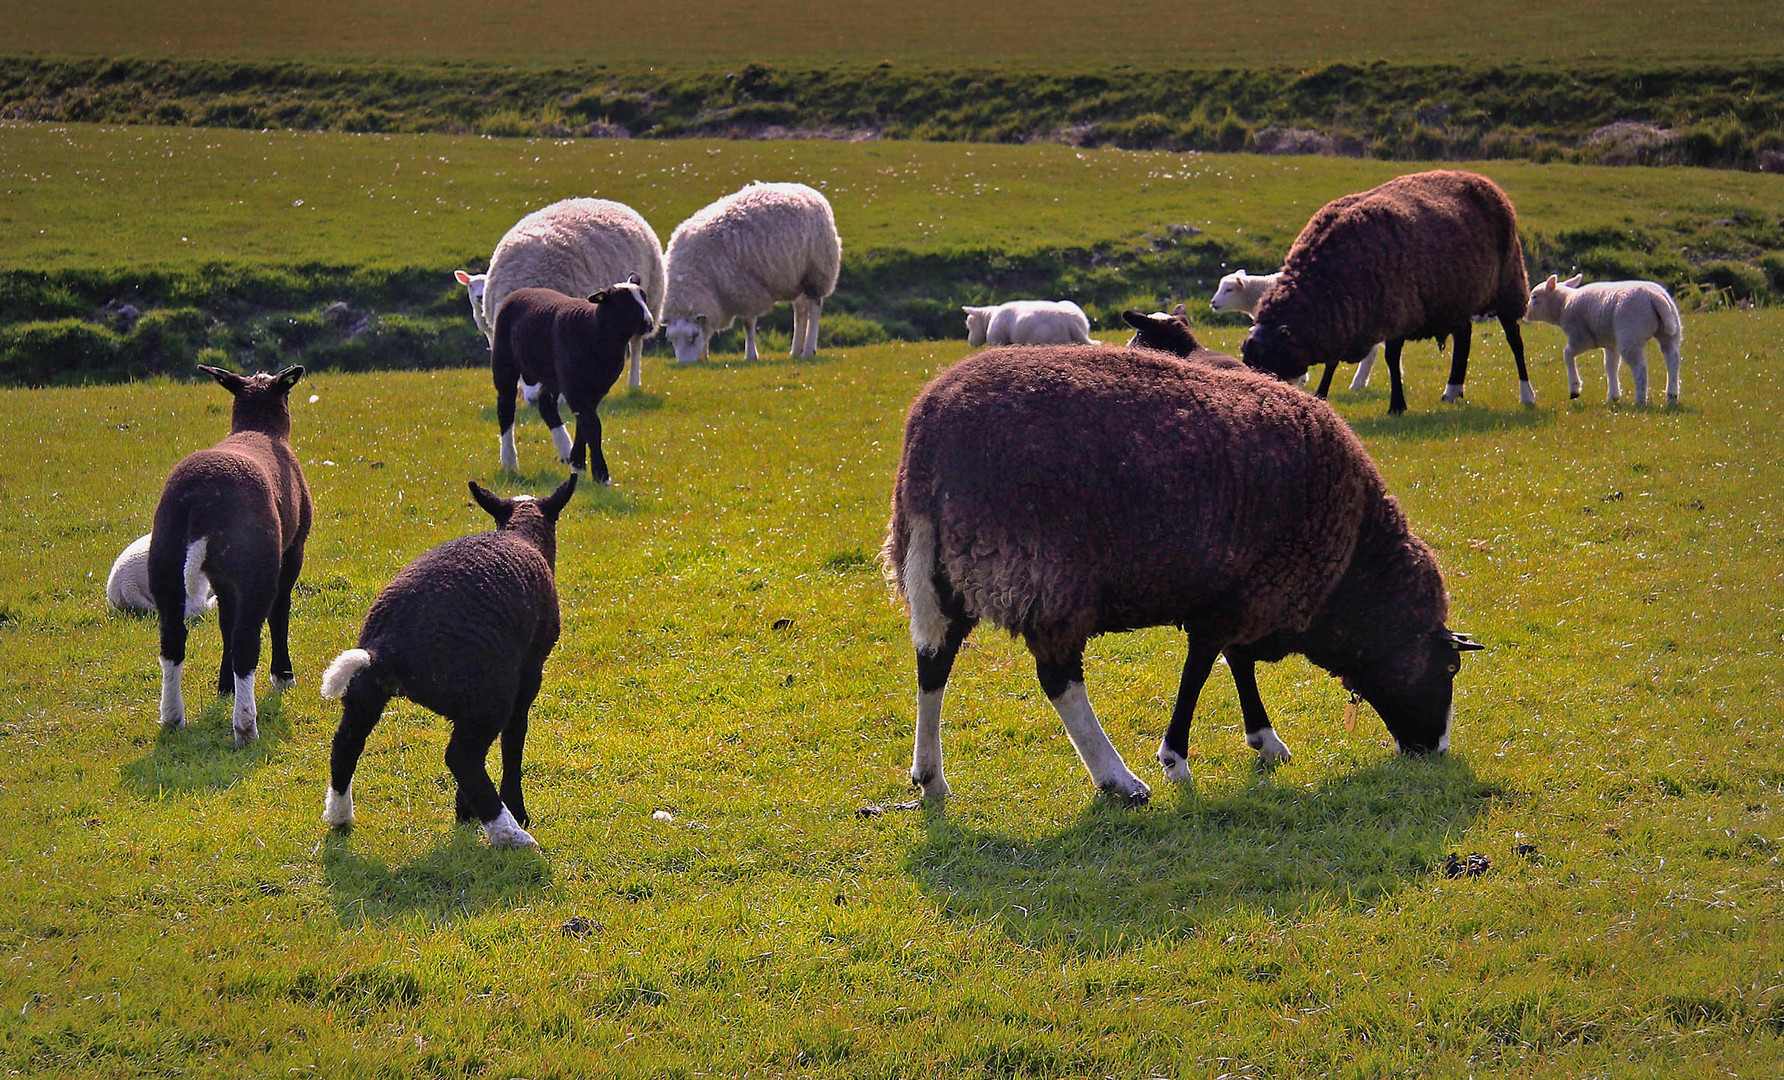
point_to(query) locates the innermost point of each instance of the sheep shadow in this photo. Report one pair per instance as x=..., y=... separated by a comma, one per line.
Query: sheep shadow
x=1119, y=878
x=460, y=877
x=618, y=402
x=202, y=755
x=1446, y=420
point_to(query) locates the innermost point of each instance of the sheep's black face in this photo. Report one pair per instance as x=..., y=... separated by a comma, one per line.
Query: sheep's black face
x=1165, y=333
x=627, y=302
x=1418, y=711
x=1274, y=349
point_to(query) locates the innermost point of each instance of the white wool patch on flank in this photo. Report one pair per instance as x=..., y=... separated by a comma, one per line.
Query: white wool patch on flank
x=929, y=627
x=341, y=672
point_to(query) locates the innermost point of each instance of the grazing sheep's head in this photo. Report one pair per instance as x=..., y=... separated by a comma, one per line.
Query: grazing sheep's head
x=1274, y=349
x=474, y=284
x=1547, y=299
x=978, y=321
x=1415, y=699
x=1166, y=333
x=262, y=401
x=625, y=300
x=690, y=335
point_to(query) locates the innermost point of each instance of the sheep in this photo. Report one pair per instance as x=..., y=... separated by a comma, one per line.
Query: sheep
x=240, y=513
x=1028, y=322
x=1416, y=257
x=743, y=254
x=474, y=285
x=463, y=630
x=1239, y=291
x=1618, y=317
x=569, y=346
x=1061, y=494
x=127, y=586
x=575, y=246
x=1171, y=334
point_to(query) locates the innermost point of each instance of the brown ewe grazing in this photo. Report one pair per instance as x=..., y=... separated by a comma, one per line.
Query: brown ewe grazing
x=1062, y=493
x=1417, y=257
x=238, y=514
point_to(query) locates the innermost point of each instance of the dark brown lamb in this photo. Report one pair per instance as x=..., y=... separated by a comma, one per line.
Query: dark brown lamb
x=464, y=630
x=237, y=513
x=1061, y=493
x=1171, y=334
x=1417, y=257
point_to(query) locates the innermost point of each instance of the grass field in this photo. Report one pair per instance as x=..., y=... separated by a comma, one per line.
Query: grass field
x=1046, y=34
x=170, y=906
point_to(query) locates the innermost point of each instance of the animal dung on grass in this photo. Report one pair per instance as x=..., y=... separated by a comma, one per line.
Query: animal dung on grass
x=463, y=630
x=236, y=514
x=1062, y=493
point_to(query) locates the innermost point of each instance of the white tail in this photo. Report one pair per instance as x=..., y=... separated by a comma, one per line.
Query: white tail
x=929, y=627
x=1669, y=317
x=341, y=672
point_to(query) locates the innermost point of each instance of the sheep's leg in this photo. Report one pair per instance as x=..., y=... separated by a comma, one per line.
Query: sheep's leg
x=1173, y=751
x=1258, y=733
x=514, y=738
x=587, y=449
x=749, y=339
x=1325, y=379
x=933, y=669
x=1063, y=684
x=506, y=375
x=227, y=612
x=1570, y=358
x=361, y=708
x=1613, y=382
x=252, y=607
x=814, y=310
x=1365, y=367
x=1514, y=336
x=1635, y=354
x=1396, y=387
x=1669, y=348
x=801, y=316
x=1464, y=340
x=635, y=353
x=560, y=435
x=465, y=753
x=278, y=620
x=172, y=612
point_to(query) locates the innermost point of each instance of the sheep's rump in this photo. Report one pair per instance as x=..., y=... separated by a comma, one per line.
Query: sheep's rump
x=1072, y=494
x=461, y=617
x=577, y=247
x=752, y=249
x=1407, y=259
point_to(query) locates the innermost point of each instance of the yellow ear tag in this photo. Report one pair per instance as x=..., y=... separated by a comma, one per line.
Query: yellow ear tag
x=1350, y=713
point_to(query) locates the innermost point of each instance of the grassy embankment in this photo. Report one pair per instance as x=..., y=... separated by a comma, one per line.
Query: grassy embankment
x=169, y=905
x=237, y=242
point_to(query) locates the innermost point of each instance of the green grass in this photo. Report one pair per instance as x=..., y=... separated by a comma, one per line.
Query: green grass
x=170, y=906
x=1050, y=34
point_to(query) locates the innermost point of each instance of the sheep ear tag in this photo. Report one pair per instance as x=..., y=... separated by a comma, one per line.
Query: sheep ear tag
x=494, y=505
x=288, y=378
x=596, y=298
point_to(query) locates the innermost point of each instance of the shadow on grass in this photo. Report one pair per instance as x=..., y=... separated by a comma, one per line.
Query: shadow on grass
x=202, y=756
x=1445, y=420
x=618, y=402
x=461, y=876
x=1118, y=878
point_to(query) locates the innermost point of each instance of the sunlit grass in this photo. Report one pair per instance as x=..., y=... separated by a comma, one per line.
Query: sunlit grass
x=169, y=905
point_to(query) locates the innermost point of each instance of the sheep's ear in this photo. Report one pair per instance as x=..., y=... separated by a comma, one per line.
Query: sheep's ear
x=228, y=380
x=553, y=505
x=1552, y=282
x=287, y=379
x=1181, y=312
x=1240, y=275
x=461, y=277
x=1139, y=320
x=494, y=505
x=1574, y=281
x=596, y=298
x=633, y=278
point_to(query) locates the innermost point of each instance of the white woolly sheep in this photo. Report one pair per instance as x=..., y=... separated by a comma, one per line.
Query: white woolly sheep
x=127, y=586
x=1241, y=292
x=743, y=254
x=576, y=247
x=1027, y=322
x=1618, y=317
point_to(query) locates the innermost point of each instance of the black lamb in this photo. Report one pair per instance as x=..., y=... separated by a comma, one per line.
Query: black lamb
x=237, y=513
x=572, y=347
x=464, y=630
x=1063, y=493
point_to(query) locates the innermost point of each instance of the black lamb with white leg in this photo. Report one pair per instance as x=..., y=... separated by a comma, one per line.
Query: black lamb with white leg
x=237, y=513
x=572, y=347
x=464, y=630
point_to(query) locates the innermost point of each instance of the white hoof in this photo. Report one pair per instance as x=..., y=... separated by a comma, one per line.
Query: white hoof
x=173, y=703
x=1175, y=767
x=245, y=718
x=504, y=831
x=1129, y=789
x=1527, y=393
x=934, y=785
x=337, y=807
x=1452, y=392
x=1270, y=749
x=510, y=460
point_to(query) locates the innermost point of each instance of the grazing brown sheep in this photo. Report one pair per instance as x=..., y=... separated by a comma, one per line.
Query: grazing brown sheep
x=239, y=512
x=1417, y=257
x=1063, y=493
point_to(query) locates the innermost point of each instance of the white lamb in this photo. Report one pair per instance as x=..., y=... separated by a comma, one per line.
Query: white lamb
x=1240, y=292
x=1028, y=322
x=127, y=586
x=743, y=254
x=577, y=247
x=1618, y=317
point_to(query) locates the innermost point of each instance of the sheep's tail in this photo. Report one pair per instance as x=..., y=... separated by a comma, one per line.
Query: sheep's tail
x=341, y=672
x=1668, y=311
x=909, y=561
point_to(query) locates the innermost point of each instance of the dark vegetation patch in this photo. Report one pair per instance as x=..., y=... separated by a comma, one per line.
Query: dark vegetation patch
x=1711, y=115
